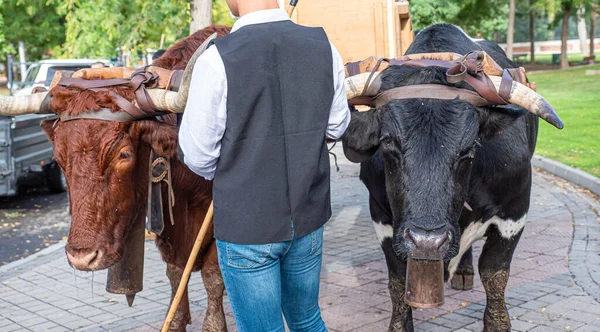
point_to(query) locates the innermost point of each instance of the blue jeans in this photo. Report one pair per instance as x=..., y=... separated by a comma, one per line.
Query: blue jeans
x=264, y=280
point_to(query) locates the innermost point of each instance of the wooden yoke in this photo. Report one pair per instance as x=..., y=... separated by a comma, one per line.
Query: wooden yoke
x=490, y=67
x=164, y=75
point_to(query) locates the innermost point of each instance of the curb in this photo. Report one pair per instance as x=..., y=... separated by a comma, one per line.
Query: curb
x=43, y=252
x=568, y=173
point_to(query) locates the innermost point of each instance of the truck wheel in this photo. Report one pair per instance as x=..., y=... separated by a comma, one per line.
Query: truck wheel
x=57, y=183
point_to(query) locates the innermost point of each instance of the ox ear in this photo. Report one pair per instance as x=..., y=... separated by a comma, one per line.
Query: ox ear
x=48, y=128
x=361, y=139
x=161, y=137
x=493, y=120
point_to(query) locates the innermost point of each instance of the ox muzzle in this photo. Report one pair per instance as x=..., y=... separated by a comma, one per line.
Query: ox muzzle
x=432, y=245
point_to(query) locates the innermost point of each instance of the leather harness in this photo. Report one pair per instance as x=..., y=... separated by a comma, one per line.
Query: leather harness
x=138, y=82
x=468, y=68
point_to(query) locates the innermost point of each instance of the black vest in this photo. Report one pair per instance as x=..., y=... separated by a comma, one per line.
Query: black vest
x=274, y=166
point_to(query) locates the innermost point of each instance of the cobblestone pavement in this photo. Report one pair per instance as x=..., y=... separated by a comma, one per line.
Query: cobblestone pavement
x=554, y=283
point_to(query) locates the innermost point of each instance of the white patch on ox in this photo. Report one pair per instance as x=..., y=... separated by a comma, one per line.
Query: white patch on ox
x=383, y=231
x=476, y=231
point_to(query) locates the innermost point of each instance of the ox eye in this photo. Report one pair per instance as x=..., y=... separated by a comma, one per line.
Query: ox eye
x=124, y=155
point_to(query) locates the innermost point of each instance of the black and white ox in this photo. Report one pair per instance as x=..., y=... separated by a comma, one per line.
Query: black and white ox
x=422, y=159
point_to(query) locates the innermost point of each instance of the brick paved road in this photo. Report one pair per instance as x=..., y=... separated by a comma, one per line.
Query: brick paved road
x=553, y=284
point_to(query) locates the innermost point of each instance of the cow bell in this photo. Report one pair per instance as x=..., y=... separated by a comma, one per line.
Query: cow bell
x=127, y=276
x=424, y=283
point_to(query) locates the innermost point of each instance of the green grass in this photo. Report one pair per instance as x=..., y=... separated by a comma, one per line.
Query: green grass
x=576, y=98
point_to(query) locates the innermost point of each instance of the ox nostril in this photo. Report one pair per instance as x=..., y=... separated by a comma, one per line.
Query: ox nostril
x=408, y=234
x=440, y=240
x=83, y=258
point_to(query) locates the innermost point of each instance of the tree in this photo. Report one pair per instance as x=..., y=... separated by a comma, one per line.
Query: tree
x=532, y=31
x=511, y=29
x=103, y=28
x=36, y=23
x=564, y=34
x=482, y=18
x=4, y=48
x=220, y=13
x=201, y=13
x=593, y=12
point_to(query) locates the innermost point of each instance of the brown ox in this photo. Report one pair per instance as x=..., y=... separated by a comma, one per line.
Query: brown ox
x=106, y=167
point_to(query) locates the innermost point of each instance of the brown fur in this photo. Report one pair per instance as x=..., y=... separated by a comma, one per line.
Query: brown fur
x=177, y=56
x=106, y=166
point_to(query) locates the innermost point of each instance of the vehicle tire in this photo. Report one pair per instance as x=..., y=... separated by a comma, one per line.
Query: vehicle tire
x=57, y=183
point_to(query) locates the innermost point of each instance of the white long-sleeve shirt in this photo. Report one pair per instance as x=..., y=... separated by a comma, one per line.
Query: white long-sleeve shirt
x=205, y=116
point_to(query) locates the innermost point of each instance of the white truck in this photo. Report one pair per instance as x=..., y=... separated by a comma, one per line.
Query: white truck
x=25, y=152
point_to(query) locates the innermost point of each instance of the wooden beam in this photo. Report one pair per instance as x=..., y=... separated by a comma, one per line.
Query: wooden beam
x=391, y=36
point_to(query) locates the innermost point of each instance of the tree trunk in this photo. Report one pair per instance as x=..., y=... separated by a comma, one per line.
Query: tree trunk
x=511, y=30
x=582, y=30
x=592, y=31
x=201, y=12
x=564, y=34
x=22, y=59
x=532, y=31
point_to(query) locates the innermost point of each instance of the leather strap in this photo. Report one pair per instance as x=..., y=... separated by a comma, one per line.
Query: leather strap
x=505, y=85
x=141, y=79
x=429, y=91
x=518, y=74
x=105, y=114
x=138, y=82
x=91, y=84
x=46, y=107
x=368, y=86
x=156, y=223
x=352, y=68
x=175, y=81
x=469, y=69
x=159, y=174
x=490, y=67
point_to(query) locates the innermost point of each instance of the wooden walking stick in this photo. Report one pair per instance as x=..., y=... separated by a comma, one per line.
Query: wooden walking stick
x=292, y=6
x=188, y=267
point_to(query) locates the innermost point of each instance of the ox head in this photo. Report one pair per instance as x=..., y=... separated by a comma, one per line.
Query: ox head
x=426, y=148
x=106, y=167
x=106, y=163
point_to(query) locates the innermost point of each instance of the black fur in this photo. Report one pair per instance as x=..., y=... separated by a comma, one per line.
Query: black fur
x=422, y=158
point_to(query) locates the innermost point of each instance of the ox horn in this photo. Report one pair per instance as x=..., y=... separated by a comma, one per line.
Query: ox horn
x=355, y=85
x=176, y=101
x=18, y=105
x=519, y=95
x=530, y=100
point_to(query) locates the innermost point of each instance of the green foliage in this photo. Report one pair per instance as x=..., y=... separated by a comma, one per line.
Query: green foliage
x=220, y=13
x=426, y=12
x=102, y=28
x=4, y=48
x=34, y=22
x=477, y=17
